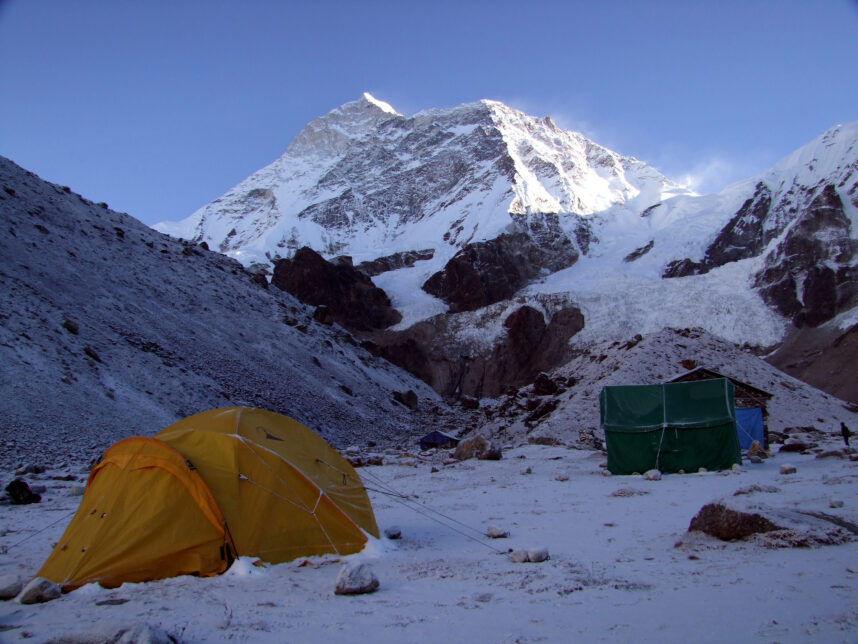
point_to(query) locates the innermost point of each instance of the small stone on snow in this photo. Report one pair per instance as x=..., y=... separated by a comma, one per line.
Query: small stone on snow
x=518, y=556
x=356, y=579
x=493, y=532
x=39, y=590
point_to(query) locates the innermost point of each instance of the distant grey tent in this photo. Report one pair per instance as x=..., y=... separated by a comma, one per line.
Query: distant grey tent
x=438, y=439
x=670, y=427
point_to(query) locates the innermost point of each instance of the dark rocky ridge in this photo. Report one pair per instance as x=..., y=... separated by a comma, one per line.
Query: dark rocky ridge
x=394, y=262
x=812, y=274
x=486, y=272
x=742, y=237
x=528, y=346
x=350, y=296
x=429, y=349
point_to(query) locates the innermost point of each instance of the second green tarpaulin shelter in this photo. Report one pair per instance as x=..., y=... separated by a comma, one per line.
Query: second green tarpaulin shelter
x=670, y=427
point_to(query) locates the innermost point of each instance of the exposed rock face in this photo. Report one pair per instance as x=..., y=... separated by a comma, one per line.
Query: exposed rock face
x=683, y=268
x=528, y=346
x=483, y=273
x=822, y=357
x=639, y=252
x=744, y=236
x=811, y=275
x=395, y=261
x=350, y=296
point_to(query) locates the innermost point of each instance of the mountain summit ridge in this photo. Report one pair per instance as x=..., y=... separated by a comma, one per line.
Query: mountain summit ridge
x=354, y=179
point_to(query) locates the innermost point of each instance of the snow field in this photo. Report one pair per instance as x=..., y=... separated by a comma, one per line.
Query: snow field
x=615, y=572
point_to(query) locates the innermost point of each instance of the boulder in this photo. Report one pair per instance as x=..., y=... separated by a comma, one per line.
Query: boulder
x=797, y=446
x=756, y=450
x=355, y=579
x=518, y=556
x=493, y=532
x=393, y=532
x=727, y=524
x=544, y=385
x=752, y=489
x=534, y=555
x=21, y=494
x=628, y=491
x=652, y=475
x=39, y=590
x=32, y=468
x=787, y=469
x=477, y=447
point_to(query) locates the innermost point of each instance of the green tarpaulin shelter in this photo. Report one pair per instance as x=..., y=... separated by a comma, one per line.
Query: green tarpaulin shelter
x=670, y=427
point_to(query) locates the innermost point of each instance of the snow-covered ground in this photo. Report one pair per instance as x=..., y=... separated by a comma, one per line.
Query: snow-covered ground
x=617, y=571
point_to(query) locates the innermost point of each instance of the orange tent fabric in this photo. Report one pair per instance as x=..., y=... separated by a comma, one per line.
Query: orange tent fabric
x=145, y=514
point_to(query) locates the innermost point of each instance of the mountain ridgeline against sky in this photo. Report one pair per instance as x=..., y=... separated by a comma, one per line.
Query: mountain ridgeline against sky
x=365, y=180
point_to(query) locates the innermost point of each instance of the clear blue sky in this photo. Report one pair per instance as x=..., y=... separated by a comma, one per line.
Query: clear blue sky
x=158, y=106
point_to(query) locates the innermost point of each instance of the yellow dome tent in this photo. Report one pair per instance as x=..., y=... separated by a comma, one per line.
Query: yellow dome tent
x=234, y=481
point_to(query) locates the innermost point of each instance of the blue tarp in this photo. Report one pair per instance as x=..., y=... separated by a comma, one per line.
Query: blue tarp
x=749, y=426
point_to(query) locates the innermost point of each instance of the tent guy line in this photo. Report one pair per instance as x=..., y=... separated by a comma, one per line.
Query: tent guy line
x=421, y=509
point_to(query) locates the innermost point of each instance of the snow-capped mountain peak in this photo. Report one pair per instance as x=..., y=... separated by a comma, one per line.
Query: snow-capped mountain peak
x=366, y=181
x=385, y=107
x=331, y=135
